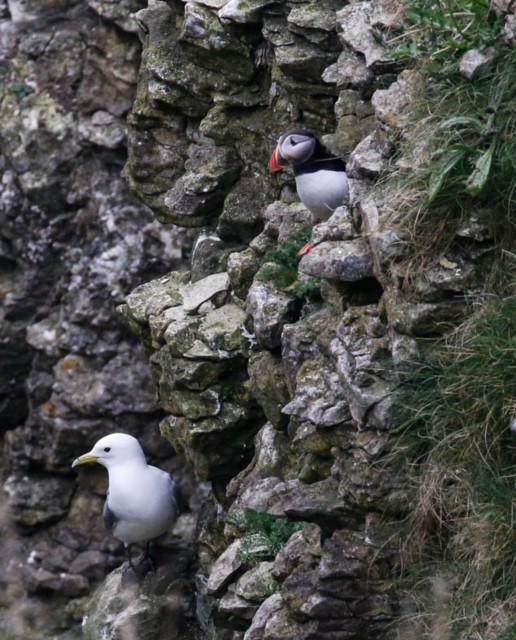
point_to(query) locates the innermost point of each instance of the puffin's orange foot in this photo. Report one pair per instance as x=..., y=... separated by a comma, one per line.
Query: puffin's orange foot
x=306, y=249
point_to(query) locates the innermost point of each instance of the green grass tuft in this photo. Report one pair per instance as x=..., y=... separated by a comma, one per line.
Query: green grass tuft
x=457, y=169
x=286, y=254
x=438, y=32
x=280, y=266
x=507, y=634
x=461, y=400
x=264, y=535
x=452, y=188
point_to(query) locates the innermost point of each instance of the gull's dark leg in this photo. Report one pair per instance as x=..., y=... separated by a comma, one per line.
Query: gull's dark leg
x=132, y=576
x=127, y=549
x=146, y=564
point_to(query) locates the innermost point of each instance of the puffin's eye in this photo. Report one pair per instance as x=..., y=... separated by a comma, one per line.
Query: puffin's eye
x=293, y=142
x=107, y=449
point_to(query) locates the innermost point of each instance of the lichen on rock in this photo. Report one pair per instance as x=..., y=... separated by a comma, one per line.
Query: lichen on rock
x=275, y=399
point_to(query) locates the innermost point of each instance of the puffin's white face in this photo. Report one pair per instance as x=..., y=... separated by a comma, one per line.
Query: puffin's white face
x=296, y=147
x=111, y=450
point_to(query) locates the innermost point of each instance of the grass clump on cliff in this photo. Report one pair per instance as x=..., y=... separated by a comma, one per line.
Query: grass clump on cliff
x=462, y=401
x=457, y=168
x=452, y=200
x=280, y=266
x=264, y=535
x=439, y=32
x=459, y=165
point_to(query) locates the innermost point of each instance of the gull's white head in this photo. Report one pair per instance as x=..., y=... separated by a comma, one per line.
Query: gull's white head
x=112, y=450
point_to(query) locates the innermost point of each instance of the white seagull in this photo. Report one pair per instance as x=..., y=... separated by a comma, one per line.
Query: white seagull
x=142, y=501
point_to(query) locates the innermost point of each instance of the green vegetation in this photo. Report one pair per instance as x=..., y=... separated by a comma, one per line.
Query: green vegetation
x=280, y=266
x=509, y=633
x=263, y=534
x=20, y=91
x=456, y=171
x=459, y=162
x=461, y=401
x=439, y=32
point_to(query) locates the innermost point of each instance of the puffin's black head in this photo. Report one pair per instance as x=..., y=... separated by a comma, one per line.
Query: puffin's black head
x=294, y=147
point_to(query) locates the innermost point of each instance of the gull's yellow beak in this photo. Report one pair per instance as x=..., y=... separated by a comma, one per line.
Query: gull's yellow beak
x=87, y=458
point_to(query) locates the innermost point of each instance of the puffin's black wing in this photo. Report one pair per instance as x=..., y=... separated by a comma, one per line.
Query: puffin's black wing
x=321, y=159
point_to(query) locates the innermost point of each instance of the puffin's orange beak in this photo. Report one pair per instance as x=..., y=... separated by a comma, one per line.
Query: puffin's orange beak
x=274, y=163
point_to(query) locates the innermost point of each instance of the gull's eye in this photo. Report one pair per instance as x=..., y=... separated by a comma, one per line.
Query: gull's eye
x=107, y=449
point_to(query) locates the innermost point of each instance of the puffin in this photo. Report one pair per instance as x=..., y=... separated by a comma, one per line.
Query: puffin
x=321, y=180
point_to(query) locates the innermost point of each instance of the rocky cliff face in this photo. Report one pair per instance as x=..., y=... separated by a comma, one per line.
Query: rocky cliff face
x=73, y=243
x=285, y=403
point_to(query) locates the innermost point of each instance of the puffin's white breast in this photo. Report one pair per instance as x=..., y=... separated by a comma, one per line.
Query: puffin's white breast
x=322, y=191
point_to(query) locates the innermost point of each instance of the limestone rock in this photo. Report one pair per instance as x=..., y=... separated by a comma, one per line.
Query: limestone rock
x=303, y=61
x=73, y=243
x=234, y=426
x=226, y=568
x=303, y=547
x=221, y=330
x=255, y=584
x=356, y=21
x=198, y=195
x=37, y=501
x=103, y=129
x=209, y=256
x=40, y=581
x=267, y=609
x=475, y=61
x=358, y=358
x=306, y=340
x=346, y=261
x=370, y=156
x=318, y=397
x=509, y=32
x=269, y=310
x=197, y=293
x=293, y=498
x=243, y=11
x=203, y=29
x=339, y=226
x=232, y=606
x=241, y=217
x=388, y=240
x=154, y=609
x=281, y=626
x=349, y=70
x=121, y=13
x=156, y=296
x=242, y=267
x=419, y=319
x=79, y=385
x=312, y=16
x=270, y=458
x=28, y=12
x=269, y=386
x=392, y=105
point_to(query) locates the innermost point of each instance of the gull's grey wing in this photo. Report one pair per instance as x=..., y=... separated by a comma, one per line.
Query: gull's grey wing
x=108, y=516
x=177, y=496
